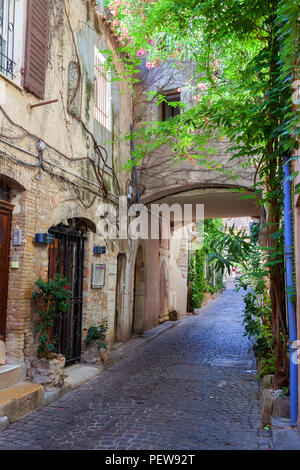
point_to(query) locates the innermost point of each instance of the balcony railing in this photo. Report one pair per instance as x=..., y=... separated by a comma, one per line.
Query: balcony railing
x=101, y=84
x=7, y=37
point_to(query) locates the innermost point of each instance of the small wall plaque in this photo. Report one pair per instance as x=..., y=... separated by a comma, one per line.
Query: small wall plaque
x=98, y=275
x=17, y=237
x=14, y=262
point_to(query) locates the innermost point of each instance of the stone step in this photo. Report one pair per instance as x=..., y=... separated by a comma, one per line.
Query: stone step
x=11, y=374
x=20, y=400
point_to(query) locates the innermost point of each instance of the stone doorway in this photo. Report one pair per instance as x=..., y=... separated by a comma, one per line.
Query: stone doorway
x=139, y=294
x=163, y=294
x=66, y=257
x=120, y=293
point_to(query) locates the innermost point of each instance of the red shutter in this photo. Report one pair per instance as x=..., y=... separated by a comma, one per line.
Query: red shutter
x=36, y=54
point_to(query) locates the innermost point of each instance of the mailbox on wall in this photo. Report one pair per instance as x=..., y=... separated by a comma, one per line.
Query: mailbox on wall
x=98, y=275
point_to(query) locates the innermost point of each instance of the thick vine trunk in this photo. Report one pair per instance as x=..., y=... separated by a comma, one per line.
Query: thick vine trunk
x=276, y=271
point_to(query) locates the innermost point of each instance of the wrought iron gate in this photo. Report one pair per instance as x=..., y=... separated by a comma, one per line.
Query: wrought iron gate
x=66, y=257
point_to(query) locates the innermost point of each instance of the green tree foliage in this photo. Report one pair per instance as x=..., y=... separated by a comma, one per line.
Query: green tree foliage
x=258, y=328
x=197, y=278
x=201, y=278
x=227, y=247
x=231, y=248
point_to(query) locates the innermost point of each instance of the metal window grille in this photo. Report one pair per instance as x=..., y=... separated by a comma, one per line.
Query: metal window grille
x=101, y=85
x=4, y=193
x=7, y=37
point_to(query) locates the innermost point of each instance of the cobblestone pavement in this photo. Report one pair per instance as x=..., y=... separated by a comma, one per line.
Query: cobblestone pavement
x=191, y=388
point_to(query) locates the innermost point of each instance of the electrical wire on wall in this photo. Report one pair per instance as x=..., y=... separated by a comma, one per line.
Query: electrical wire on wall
x=14, y=132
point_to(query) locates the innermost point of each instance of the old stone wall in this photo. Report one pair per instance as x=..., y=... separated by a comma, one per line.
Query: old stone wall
x=161, y=173
x=69, y=184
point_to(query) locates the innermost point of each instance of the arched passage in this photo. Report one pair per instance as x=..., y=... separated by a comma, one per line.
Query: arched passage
x=139, y=293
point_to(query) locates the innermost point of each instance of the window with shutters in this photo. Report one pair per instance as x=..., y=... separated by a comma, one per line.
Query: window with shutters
x=102, y=91
x=169, y=110
x=11, y=38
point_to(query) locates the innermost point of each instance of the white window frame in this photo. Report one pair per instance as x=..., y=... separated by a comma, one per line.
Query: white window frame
x=102, y=92
x=12, y=33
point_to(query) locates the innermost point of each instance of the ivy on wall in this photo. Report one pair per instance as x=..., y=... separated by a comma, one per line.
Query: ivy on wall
x=204, y=277
x=197, y=278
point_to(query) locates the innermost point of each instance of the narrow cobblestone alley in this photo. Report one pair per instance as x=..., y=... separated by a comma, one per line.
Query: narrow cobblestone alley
x=191, y=388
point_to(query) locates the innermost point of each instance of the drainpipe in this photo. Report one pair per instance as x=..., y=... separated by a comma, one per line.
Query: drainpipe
x=288, y=249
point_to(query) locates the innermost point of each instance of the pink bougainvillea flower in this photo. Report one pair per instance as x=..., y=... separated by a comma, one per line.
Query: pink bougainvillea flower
x=216, y=65
x=202, y=86
x=151, y=65
x=141, y=52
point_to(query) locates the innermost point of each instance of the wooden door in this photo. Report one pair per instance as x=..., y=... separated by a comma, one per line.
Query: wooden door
x=5, y=225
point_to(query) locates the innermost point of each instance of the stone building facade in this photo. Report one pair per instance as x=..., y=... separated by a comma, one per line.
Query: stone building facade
x=59, y=113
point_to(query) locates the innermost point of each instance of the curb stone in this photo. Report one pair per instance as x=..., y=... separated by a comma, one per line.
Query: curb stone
x=284, y=437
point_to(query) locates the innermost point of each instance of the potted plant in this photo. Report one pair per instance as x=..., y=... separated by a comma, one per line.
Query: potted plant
x=53, y=298
x=97, y=334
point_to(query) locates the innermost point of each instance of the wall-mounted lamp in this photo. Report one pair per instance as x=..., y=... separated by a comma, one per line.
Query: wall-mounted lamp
x=44, y=238
x=41, y=146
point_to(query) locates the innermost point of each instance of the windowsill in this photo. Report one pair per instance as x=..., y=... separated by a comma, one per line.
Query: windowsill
x=12, y=82
x=108, y=129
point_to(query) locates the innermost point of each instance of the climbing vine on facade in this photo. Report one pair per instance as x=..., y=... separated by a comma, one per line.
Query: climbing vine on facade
x=204, y=277
x=197, y=278
x=53, y=298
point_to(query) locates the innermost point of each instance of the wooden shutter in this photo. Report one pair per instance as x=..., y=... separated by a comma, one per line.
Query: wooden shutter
x=5, y=222
x=36, y=53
